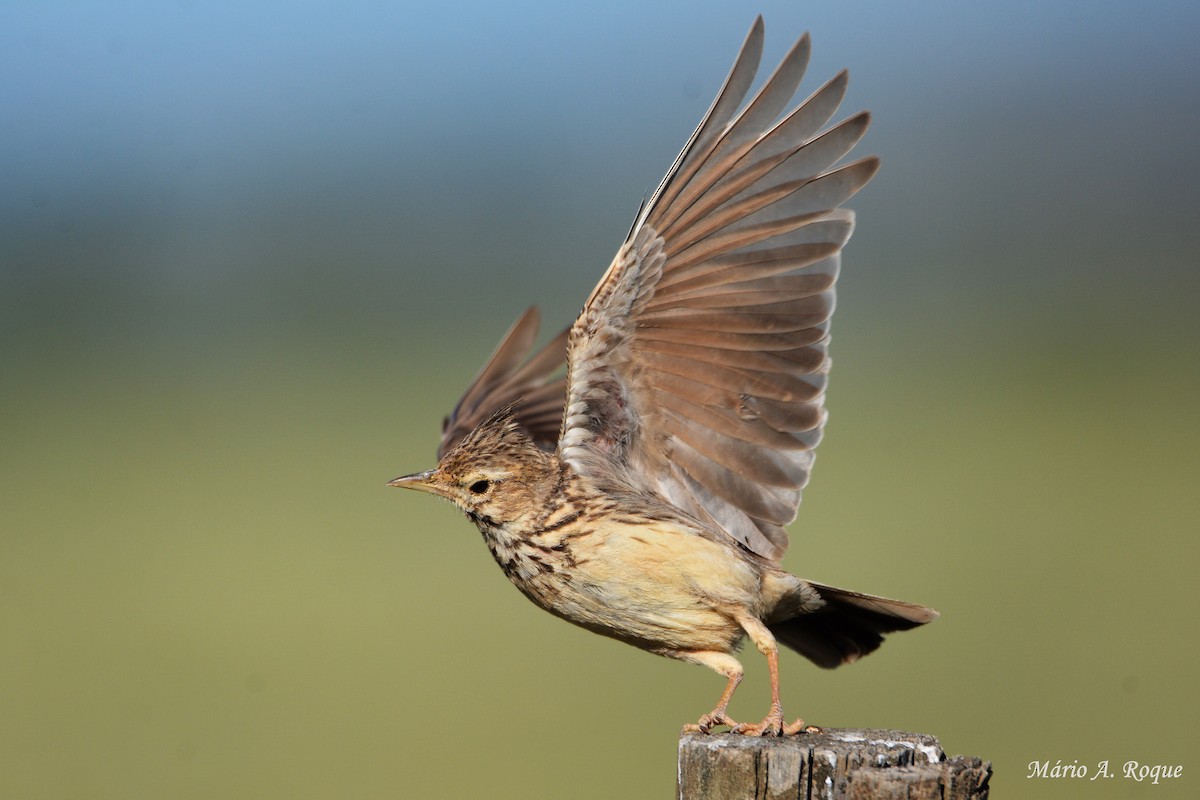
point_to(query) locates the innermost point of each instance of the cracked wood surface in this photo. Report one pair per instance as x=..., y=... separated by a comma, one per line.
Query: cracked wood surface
x=851, y=763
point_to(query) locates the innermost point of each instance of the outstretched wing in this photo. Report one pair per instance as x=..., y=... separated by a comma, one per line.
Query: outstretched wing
x=697, y=368
x=509, y=377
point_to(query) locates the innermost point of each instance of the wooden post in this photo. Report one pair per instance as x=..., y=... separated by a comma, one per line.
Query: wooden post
x=850, y=763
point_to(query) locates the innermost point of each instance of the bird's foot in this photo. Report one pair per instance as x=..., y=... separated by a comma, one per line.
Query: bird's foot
x=773, y=725
x=707, y=722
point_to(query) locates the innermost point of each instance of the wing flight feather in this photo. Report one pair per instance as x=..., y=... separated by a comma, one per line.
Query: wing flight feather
x=511, y=376
x=697, y=369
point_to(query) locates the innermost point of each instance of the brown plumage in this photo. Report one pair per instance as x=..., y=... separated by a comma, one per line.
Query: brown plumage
x=645, y=495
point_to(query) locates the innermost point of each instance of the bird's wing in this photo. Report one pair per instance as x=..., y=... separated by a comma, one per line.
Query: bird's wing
x=512, y=376
x=697, y=368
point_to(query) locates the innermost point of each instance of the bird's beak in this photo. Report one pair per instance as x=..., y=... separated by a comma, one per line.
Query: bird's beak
x=421, y=481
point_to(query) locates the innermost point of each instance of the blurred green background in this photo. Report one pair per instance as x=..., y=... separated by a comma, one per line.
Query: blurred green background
x=249, y=254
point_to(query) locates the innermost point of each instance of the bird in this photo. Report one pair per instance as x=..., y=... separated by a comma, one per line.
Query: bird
x=636, y=474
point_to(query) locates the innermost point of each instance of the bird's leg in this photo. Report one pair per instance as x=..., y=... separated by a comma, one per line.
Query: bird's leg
x=728, y=666
x=772, y=724
x=718, y=716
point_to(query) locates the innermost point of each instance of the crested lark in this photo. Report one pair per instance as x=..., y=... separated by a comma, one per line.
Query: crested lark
x=644, y=495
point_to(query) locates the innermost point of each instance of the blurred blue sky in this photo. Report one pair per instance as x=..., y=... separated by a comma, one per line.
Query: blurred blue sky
x=120, y=98
x=190, y=154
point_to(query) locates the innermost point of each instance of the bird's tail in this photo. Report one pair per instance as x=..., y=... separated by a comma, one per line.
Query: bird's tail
x=849, y=625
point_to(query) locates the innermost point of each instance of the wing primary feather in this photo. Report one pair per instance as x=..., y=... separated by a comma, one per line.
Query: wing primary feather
x=763, y=214
x=740, y=134
x=515, y=344
x=774, y=269
x=798, y=127
x=545, y=361
x=805, y=244
x=788, y=168
x=511, y=377
x=728, y=98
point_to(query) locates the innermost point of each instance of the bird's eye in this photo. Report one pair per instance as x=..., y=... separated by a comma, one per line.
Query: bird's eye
x=479, y=487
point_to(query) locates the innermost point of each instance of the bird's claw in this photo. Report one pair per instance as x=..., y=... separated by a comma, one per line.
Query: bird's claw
x=706, y=723
x=773, y=725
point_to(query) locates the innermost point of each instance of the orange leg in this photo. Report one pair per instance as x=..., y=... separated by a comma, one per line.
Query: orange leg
x=728, y=666
x=772, y=724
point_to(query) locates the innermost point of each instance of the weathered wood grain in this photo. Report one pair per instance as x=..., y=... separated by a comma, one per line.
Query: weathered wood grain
x=851, y=763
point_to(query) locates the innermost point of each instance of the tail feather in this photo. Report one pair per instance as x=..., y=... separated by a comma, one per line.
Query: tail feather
x=848, y=626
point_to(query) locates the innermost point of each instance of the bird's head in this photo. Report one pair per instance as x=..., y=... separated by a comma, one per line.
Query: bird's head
x=496, y=473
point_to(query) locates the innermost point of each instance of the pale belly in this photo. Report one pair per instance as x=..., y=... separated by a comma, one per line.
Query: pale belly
x=656, y=587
